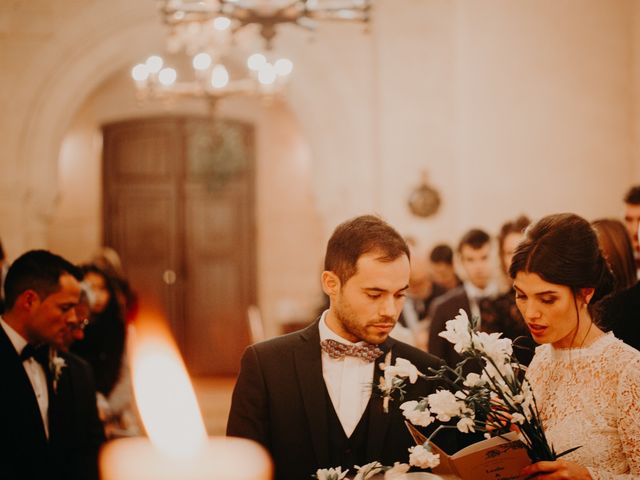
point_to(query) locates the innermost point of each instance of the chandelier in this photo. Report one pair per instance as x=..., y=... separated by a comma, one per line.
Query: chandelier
x=207, y=15
x=210, y=79
x=203, y=30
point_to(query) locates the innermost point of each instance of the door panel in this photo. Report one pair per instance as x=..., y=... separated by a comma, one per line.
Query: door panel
x=179, y=209
x=216, y=266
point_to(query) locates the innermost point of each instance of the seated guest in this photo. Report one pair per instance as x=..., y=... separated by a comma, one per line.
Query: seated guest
x=620, y=311
x=474, y=252
x=49, y=426
x=307, y=396
x=501, y=314
x=586, y=382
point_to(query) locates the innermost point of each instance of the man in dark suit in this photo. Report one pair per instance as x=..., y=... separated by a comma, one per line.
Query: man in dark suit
x=49, y=423
x=474, y=251
x=308, y=405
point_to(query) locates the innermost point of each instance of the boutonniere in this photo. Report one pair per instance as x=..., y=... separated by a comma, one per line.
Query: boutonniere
x=56, y=364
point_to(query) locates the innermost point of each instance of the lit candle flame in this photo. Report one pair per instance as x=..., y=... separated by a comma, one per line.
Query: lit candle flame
x=164, y=395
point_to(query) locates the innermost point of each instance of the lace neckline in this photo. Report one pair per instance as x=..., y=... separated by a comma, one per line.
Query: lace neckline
x=581, y=352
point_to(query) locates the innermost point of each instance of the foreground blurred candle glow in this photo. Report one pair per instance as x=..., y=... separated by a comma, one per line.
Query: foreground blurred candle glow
x=178, y=446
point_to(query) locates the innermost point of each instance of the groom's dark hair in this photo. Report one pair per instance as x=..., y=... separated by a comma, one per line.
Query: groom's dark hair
x=358, y=236
x=37, y=270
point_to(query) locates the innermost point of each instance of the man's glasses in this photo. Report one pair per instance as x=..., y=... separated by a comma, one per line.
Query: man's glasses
x=81, y=325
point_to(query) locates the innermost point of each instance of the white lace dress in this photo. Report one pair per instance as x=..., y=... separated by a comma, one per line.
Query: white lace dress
x=591, y=397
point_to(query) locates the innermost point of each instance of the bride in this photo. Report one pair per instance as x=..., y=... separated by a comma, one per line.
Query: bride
x=586, y=382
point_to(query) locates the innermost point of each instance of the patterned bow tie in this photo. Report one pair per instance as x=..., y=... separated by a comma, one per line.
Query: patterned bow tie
x=366, y=351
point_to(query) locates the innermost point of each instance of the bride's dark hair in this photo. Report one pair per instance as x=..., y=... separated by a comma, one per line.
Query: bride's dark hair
x=563, y=249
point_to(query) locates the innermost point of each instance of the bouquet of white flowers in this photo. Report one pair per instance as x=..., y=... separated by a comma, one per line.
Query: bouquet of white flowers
x=499, y=397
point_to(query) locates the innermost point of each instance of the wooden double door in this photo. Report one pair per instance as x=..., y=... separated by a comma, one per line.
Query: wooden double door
x=179, y=209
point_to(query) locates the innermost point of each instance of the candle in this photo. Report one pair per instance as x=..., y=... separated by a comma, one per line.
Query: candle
x=222, y=458
x=177, y=447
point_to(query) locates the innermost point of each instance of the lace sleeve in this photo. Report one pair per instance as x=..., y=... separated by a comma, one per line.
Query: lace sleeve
x=628, y=406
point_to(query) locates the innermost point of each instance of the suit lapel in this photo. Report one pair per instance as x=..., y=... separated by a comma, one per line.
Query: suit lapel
x=378, y=420
x=308, y=364
x=20, y=396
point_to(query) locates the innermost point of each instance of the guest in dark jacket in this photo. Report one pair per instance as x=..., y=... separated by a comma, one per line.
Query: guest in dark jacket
x=501, y=313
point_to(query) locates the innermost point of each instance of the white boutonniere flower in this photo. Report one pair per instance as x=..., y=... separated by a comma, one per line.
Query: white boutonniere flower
x=56, y=364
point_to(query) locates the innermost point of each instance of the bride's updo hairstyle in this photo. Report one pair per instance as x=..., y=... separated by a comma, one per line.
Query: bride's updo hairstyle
x=563, y=249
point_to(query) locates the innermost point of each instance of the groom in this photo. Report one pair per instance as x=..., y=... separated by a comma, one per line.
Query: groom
x=309, y=405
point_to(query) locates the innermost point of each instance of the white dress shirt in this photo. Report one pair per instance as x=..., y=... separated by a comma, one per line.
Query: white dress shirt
x=35, y=372
x=348, y=380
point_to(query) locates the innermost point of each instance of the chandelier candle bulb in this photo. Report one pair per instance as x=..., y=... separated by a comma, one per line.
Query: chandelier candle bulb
x=154, y=63
x=177, y=447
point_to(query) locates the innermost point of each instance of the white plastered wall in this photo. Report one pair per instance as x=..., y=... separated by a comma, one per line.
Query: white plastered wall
x=512, y=107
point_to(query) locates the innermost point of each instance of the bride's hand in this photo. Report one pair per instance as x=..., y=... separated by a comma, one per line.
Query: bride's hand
x=558, y=469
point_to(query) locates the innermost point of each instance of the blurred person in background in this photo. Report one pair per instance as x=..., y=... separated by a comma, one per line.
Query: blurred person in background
x=4, y=267
x=420, y=295
x=632, y=221
x=108, y=261
x=103, y=346
x=620, y=311
x=501, y=314
x=443, y=272
x=474, y=251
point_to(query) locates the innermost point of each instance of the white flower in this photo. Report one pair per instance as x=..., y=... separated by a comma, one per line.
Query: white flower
x=444, y=405
x=497, y=349
x=397, y=471
x=497, y=374
x=421, y=456
x=331, y=473
x=517, y=418
x=474, y=380
x=368, y=471
x=466, y=425
x=417, y=413
x=56, y=364
x=403, y=368
x=458, y=332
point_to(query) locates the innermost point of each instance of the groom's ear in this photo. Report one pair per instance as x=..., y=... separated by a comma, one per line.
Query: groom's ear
x=330, y=283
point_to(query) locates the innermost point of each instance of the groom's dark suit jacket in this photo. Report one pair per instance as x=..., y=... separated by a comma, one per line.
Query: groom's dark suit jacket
x=75, y=431
x=280, y=400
